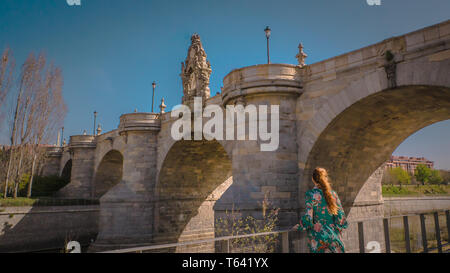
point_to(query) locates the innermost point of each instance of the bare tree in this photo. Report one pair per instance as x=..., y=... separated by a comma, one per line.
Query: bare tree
x=52, y=110
x=6, y=82
x=6, y=77
x=24, y=112
x=39, y=110
x=26, y=67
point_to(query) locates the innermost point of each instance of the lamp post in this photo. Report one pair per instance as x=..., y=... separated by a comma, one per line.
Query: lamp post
x=153, y=96
x=95, y=119
x=267, y=31
x=62, y=135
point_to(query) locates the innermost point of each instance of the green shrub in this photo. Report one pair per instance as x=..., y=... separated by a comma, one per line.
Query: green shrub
x=234, y=224
x=394, y=190
x=435, y=177
x=17, y=202
x=46, y=185
x=415, y=190
x=23, y=184
x=434, y=189
x=45, y=201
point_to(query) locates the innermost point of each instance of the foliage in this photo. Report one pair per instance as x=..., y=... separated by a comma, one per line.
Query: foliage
x=421, y=190
x=45, y=185
x=394, y=190
x=435, y=189
x=400, y=176
x=45, y=201
x=23, y=182
x=435, y=177
x=234, y=224
x=445, y=176
x=17, y=202
x=422, y=173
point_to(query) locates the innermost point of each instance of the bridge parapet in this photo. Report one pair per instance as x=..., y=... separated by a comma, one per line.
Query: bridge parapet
x=139, y=122
x=263, y=78
x=374, y=55
x=54, y=151
x=82, y=141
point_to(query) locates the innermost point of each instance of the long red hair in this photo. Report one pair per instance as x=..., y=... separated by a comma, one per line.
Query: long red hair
x=320, y=176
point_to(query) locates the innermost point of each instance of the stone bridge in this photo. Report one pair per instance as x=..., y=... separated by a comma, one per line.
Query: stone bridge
x=347, y=114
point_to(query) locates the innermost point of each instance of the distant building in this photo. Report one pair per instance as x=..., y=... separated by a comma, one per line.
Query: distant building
x=408, y=163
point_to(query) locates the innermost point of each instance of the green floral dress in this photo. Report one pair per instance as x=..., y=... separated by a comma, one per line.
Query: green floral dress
x=323, y=229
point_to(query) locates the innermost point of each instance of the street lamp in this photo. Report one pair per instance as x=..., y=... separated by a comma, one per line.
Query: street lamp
x=267, y=31
x=62, y=133
x=153, y=96
x=95, y=119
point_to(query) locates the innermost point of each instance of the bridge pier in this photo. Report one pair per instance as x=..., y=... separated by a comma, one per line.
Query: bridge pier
x=83, y=150
x=127, y=209
x=257, y=174
x=52, y=162
x=368, y=207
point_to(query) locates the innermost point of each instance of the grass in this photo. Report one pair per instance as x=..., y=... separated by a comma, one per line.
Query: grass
x=44, y=201
x=415, y=190
x=17, y=202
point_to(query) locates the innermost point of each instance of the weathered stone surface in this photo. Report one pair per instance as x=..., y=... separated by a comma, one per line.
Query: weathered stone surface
x=46, y=228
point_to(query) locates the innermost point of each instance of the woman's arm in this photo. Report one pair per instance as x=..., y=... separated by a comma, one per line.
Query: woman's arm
x=340, y=220
x=306, y=222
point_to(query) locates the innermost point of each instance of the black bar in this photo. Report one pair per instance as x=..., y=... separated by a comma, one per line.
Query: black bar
x=424, y=233
x=386, y=235
x=361, y=237
x=438, y=232
x=407, y=239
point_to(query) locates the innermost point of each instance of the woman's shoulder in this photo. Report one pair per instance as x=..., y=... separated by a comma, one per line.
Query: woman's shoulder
x=313, y=191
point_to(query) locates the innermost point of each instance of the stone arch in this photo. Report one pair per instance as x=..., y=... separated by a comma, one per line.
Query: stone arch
x=166, y=142
x=363, y=136
x=108, y=173
x=67, y=171
x=193, y=176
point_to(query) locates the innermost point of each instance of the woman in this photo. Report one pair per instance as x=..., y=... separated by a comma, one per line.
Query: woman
x=324, y=219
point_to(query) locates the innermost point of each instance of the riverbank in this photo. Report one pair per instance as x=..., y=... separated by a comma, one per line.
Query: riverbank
x=415, y=190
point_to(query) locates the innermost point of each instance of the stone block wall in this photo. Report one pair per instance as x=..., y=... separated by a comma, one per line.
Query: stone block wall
x=47, y=228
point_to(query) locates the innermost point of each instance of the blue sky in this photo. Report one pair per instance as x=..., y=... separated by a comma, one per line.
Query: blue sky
x=111, y=50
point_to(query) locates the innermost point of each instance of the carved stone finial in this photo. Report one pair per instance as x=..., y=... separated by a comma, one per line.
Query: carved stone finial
x=391, y=69
x=99, y=129
x=301, y=56
x=162, y=106
x=391, y=73
x=195, y=72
